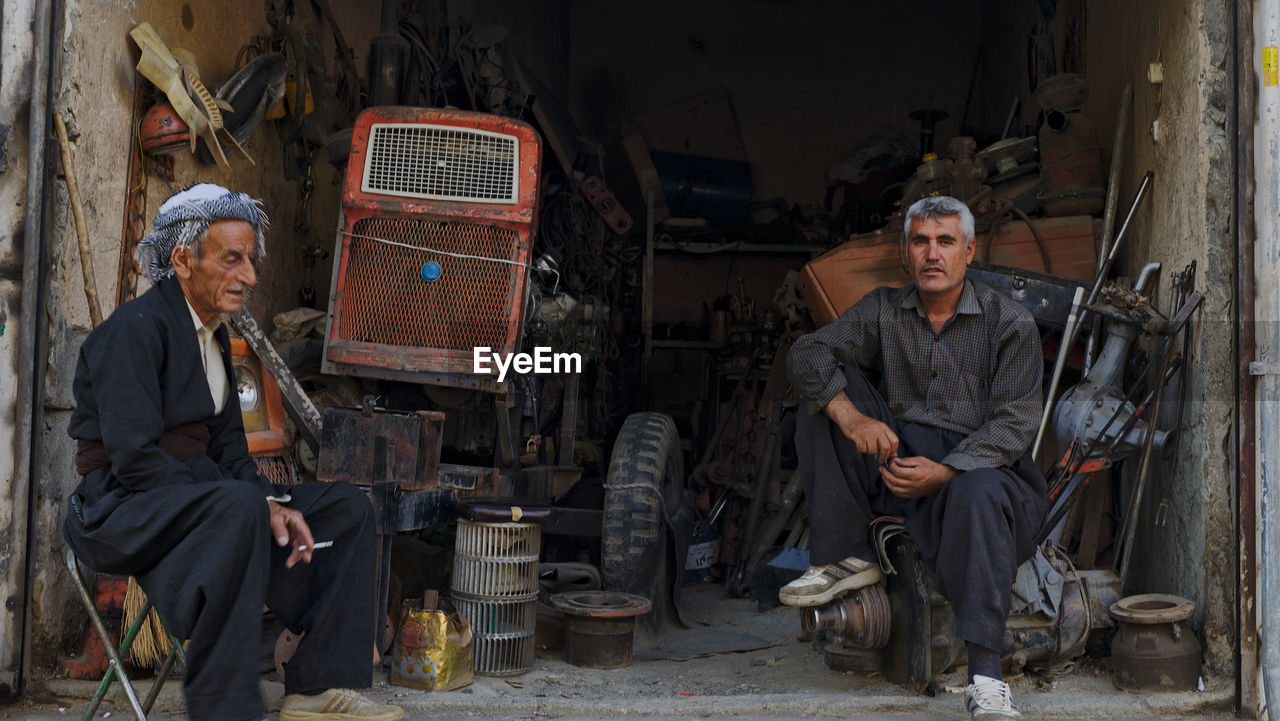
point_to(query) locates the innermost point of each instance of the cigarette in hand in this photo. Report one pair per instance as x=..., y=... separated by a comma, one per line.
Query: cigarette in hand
x=316, y=546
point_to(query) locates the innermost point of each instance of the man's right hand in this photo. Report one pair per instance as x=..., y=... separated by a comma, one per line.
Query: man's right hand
x=871, y=436
x=290, y=529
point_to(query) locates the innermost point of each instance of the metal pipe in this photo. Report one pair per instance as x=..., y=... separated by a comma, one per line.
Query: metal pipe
x=1111, y=256
x=1266, y=316
x=1109, y=210
x=30, y=372
x=1058, y=365
x=1144, y=277
x=1113, y=179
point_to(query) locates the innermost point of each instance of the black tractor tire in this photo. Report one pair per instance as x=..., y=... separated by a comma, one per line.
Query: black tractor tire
x=644, y=488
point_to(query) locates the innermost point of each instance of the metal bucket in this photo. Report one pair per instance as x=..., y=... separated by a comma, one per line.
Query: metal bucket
x=495, y=586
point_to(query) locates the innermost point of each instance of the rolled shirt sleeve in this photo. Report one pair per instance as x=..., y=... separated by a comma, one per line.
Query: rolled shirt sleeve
x=813, y=363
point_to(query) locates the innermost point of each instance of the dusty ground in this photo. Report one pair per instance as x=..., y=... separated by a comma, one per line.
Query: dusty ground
x=784, y=679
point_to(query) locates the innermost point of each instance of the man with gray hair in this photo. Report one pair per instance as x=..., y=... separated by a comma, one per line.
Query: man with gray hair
x=170, y=495
x=942, y=441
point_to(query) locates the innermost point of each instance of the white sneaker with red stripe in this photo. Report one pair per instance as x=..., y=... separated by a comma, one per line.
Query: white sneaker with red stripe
x=336, y=704
x=820, y=584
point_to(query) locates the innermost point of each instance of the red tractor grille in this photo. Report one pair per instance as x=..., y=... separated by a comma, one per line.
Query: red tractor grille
x=385, y=299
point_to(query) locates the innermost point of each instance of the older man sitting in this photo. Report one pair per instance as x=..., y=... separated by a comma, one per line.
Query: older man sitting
x=169, y=493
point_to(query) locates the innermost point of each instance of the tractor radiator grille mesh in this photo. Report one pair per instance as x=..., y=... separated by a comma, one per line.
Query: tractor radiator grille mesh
x=386, y=300
x=439, y=162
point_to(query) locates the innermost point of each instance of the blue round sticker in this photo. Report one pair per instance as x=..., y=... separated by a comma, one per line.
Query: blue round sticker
x=431, y=271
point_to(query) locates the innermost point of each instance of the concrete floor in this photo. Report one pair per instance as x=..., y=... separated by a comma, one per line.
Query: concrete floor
x=782, y=679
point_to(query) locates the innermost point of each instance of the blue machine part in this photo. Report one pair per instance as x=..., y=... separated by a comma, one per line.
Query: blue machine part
x=431, y=271
x=696, y=187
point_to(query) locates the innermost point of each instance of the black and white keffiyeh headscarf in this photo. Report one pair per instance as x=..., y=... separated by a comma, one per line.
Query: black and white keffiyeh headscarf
x=188, y=214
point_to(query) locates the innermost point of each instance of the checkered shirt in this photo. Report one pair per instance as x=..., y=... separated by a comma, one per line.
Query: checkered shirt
x=979, y=376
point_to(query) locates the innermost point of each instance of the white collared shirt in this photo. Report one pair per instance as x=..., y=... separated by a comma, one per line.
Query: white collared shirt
x=211, y=356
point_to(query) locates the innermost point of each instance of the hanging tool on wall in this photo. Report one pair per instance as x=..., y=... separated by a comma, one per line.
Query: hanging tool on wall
x=190, y=99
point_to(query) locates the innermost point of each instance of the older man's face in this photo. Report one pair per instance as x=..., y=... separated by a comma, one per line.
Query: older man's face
x=937, y=255
x=218, y=281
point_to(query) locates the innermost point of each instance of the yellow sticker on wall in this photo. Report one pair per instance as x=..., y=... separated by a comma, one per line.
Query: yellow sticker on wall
x=1270, y=67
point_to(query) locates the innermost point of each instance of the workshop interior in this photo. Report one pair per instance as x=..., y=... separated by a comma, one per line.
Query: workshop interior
x=533, y=270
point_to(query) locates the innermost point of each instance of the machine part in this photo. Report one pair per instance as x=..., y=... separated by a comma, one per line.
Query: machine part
x=928, y=119
x=1006, y=156
x=1071, y=165
x=305, y=416
x=388, y=54
x=495, y=586
x=923, y=642
x=162, y=131
x=251, y=91
x=606, y=205
x=858, y=619
x=967, y=172
x=599, y=626
x=475, y=216
x=1083, y=411
x=1057, y=371
x=1106, y=261
x=643, y=494
x=1154, y=648
x=568, y=576
x=1109, y=211
x=1062, y=93
x=838, y=657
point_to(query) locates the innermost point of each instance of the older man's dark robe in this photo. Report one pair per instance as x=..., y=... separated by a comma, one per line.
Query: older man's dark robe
x=195, y=532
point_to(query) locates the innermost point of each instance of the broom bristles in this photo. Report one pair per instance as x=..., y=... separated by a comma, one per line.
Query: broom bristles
x=151, y=645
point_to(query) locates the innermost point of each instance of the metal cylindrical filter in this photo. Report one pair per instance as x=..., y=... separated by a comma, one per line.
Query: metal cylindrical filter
x=495, y=586
x=496, y=560
x=502, y=633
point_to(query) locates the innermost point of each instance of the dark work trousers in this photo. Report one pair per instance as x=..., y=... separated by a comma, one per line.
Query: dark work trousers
x=205, y=555
x=972, y=534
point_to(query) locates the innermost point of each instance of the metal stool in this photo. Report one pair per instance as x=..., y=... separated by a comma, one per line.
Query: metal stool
x=116, y=668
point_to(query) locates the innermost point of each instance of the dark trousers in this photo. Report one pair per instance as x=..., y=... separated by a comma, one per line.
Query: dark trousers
x=205, y=555
x=972, y=534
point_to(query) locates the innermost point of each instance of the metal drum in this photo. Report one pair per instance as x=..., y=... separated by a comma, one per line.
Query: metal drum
x=495, y=586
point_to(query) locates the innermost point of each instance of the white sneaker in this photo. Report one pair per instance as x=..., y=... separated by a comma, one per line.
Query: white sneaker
x=820, y=584
x=989, y=698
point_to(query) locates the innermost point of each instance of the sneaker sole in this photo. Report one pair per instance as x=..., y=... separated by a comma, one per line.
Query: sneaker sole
x=297, y=715
x=862, y=579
